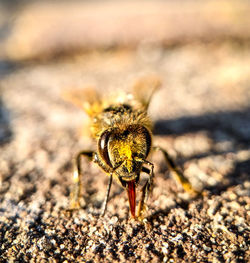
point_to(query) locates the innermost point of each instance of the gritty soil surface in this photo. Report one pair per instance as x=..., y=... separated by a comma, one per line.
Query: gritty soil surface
x=202, y=117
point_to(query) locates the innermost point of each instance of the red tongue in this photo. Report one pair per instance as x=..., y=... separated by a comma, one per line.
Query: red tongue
x=131, y=196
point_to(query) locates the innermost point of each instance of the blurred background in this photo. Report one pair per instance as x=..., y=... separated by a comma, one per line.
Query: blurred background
x=43, y=29
x=200, y=50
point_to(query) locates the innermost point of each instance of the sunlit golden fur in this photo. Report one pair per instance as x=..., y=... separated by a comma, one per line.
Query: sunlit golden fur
x=94, y=104
x=122, y=131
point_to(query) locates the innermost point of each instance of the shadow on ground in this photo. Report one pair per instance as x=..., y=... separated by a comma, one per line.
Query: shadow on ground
x=233, y=123
x=5, y=127
x=220, y=126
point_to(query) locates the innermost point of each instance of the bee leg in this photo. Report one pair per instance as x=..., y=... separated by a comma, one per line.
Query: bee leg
x=76, y=189
x=177, y=174
x=105, y=202
x=146, y=189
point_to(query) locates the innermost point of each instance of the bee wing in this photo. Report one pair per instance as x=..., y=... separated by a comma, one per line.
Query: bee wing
x=87, y=99
x=145, y=87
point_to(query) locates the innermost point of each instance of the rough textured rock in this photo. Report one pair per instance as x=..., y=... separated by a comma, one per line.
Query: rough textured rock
x=202, y=118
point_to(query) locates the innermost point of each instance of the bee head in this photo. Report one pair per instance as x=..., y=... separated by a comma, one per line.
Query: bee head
x=124, y=150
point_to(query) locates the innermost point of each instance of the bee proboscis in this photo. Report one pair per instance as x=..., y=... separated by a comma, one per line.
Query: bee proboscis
x=122, y=130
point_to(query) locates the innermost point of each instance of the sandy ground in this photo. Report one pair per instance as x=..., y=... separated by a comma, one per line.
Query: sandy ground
x=201, y=117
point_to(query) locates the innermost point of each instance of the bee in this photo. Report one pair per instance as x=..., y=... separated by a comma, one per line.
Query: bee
x=122, y=131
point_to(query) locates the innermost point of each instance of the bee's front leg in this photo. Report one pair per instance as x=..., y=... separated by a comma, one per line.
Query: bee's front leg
x=177, y=174
x=105, y=202
x=76, y=189
x=146, y=189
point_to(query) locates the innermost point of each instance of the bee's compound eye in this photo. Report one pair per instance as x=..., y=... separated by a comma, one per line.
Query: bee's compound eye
x=103, y=147
x=148, y=139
